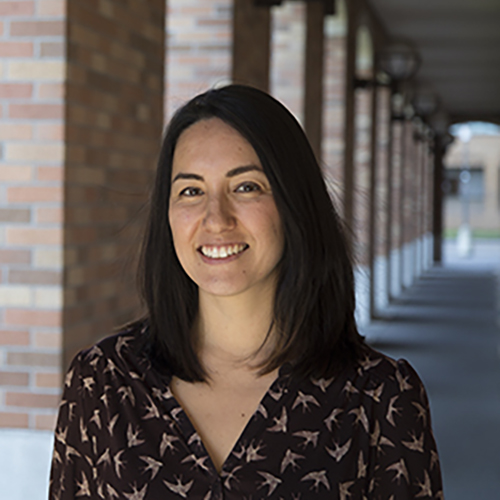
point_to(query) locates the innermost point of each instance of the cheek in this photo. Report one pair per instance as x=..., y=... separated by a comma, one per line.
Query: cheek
x=180, y=219
x=268, y=222
x=178, y=230
x=183, y=224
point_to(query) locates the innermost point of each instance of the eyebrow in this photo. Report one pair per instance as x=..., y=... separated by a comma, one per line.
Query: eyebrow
x=232, y=173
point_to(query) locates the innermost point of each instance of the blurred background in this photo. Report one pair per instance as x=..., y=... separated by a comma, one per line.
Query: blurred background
x=401, y=103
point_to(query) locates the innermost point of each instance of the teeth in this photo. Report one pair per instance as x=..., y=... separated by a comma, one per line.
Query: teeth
x=222, y=252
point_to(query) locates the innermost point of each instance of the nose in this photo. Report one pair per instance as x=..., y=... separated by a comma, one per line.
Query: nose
x=219, y=216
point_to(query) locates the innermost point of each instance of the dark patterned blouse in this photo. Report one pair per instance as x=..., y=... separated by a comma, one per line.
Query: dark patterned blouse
x=363, y=435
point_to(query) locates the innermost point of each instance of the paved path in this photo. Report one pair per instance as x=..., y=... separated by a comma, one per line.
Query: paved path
x=446, y=325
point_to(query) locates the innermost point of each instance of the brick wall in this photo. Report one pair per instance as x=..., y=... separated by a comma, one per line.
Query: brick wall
x=199, y=37
x=381, y=191
x=288, y=24
x=32, y=71
x=81, y=101
x=362, y=175
x=334, y=89
x=362, y=146
x=396, y=184
x=114, y=120
x=408, y=179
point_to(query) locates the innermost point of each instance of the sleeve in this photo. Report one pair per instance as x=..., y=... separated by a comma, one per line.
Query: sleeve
x=405, y=463
x=73, y=456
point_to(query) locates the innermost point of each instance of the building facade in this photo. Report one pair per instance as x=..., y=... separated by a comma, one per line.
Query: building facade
x=86, y=87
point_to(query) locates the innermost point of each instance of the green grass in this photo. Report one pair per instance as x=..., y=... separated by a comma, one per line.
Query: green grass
x=476, y=233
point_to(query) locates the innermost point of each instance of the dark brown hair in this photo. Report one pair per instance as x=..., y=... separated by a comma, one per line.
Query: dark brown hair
x=314, y=301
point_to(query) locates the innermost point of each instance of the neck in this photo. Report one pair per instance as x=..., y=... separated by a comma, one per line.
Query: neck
x=234, y=332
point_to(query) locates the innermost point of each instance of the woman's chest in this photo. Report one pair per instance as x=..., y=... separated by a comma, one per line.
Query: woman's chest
x=294, y=445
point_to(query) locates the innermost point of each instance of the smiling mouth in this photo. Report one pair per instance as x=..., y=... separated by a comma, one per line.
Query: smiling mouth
x=222, y=251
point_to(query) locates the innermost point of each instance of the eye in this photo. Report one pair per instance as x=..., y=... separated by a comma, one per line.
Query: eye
x=190, y=192
x=248, y=187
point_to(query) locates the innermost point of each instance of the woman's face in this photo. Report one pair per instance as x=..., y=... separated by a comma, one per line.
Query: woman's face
x=225, y=225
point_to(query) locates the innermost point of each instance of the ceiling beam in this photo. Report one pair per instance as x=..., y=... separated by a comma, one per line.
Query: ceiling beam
x=328, y=4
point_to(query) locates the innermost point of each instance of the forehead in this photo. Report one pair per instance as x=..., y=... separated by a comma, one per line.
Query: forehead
x=212, y=142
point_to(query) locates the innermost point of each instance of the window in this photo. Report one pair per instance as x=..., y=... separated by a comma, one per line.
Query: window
x=469, y=182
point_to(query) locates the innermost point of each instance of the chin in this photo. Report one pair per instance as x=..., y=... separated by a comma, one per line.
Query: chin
x=222, y=290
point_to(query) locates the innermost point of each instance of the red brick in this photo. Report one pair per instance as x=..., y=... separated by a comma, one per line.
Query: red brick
x=51, y=91
x=49, y=215
x=15, y=256
x=34, y=236
x=15, y=215
x=29, y=317
x=34, y=194
x=17, y=8
x=52, y=8
x=14, y=337
x=33, y=359
x=16, y=49
x=18, y=420
x=50, y=173
x=15, y=173
x=14, y=378
x=49, y=380
x=32, y=277
x=50, y=340
x=46, y=422
x=37, y=28
x=15, y=90
x=29, y=400
x=52, y=49
x=19, y=131
x=36, y=111
x=50, y=132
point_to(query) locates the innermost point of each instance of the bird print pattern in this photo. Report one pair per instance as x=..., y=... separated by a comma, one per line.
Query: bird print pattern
x=363, y=435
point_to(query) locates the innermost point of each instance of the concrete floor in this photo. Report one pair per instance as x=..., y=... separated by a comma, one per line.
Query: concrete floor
x=446, y=325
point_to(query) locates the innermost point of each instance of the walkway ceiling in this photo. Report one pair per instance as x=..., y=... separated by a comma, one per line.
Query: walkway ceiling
x=459, y=42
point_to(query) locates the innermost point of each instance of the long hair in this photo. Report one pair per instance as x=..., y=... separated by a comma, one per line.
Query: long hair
x=314, y=300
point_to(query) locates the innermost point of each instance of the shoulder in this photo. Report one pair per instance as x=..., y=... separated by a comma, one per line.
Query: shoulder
x=389, y=389
x=401, y=436
x=397, y=376
x=121, y=354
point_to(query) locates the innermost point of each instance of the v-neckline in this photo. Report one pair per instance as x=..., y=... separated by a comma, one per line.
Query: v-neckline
x=270, y=401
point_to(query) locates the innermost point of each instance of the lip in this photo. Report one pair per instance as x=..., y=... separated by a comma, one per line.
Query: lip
x=217, y=248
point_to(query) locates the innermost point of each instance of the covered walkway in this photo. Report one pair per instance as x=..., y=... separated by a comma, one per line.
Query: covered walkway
x=446, y=325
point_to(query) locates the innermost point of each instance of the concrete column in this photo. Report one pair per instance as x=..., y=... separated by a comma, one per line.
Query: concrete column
x=251, y=44
x=314, y=70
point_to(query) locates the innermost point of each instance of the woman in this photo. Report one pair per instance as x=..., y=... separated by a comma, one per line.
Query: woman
x=247, y=378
